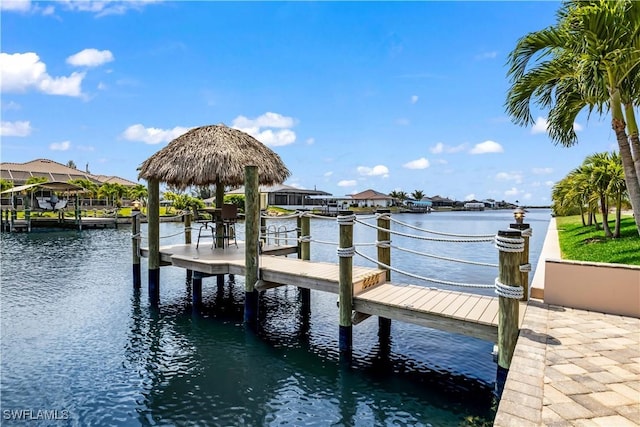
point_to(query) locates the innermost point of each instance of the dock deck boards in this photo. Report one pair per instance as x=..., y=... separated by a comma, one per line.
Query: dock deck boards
x=457, y=312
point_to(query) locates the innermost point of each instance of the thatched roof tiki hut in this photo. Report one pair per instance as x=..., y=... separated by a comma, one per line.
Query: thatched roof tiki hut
x=216, y=155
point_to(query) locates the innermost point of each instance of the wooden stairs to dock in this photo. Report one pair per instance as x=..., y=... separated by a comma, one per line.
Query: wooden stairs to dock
x=457, y=312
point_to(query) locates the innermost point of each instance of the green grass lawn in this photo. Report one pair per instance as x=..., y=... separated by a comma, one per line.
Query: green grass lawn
x=588, y=244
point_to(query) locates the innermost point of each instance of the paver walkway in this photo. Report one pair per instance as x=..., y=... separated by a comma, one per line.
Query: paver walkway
x=573, y=368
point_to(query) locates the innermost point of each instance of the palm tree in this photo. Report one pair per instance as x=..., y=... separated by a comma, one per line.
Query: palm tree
x=5, y=184
x=90, y=187
x=589, y=59
x=617, y=188
x=596, y=166
x=138, y=192
x=417, y=195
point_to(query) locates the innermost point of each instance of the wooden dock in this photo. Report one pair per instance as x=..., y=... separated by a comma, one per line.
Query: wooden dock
x=457, y=312
x=22, y=225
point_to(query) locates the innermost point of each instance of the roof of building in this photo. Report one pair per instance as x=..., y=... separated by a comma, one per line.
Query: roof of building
x=53, y=171
x=371, y=195
x=281, y=188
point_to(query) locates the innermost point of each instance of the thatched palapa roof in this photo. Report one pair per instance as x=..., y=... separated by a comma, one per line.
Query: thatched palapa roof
x=211, y=154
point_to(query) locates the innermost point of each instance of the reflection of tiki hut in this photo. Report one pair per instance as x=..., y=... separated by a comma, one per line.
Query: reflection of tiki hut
x=209, y=155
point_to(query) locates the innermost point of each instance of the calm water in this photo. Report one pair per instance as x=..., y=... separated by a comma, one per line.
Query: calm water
x=78, y=340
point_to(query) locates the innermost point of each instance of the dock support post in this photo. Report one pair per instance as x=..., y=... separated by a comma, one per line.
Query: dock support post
x=27, y=217
x=77, y=215
x=510, y=244
x=305, y=254
x=153, y=225
x=14, y=217
x=345, y=290
x=525, y=265
x=187, y=238
x=384, y=257
x=263, y=227
x=252, y=233
x=135, y=249
x=196, y=290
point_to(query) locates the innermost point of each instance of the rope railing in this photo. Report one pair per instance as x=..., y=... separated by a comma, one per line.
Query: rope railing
x=462, y=261
x=427, y=279
x=433, y=239
x=440, y=233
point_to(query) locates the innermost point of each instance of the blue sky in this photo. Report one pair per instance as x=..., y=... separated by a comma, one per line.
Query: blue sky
x=383, y=95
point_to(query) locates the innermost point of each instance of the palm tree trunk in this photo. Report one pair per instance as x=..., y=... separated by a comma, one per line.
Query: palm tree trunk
x=605, y=215
x=582, y=216
x=634, y=140
x=630, y=175
x=616, y=231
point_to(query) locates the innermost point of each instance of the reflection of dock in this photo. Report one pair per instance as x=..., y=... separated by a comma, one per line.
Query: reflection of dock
x=458, y=312
x=22, y=225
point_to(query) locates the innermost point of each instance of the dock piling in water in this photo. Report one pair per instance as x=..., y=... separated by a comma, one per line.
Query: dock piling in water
x=345, y=286
x=305, y=254
x=252, y=233
x=153, y=218
x=384, y=256
x=510, y=245
x=135, y=248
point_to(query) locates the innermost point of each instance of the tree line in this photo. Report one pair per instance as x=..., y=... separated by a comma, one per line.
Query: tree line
x=595, y=186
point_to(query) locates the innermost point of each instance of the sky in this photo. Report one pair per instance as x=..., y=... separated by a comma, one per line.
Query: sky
x=352, y=96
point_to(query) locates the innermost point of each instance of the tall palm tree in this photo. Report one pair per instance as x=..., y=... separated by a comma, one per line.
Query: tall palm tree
x=138, y=192
x=417, y=195
x=597, y=167
x=617, y=188
x=589, y=59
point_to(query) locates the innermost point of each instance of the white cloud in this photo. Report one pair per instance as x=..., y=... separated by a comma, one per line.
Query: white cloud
x=442, y=162
x=512, y=192
x=471, y=196
x=20, y=72
x=549, y=183
x=90, y=58
x=542, y=171
x=414, y=99
x=443, y=148
x=11, y=105
x=102, y=86
x=267, y=120
x=402, y=122
x=487, y=55
x=60, y=146
x=487, y=147
x=310, y=141
x=527, y=196
x=539, y=126
x=15, y=5
x=509, y=176
x=103, y=8
x=138, y=132
x=254, y=127
x=327, y=174
x=15, y=128
x=347, y=183
x=85, y=148
x=421, y=163
x=577, y=127
x=378, y=170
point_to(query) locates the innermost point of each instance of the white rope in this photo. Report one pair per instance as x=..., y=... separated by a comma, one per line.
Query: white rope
x=383, y=243
x=506, y=291
x=527, y=232
x=525, y=268
x=290, y=216
x=304, y=239
x=508, y=244
x=346, y=219
x=433, y=239
x=428, y=279
x=172, y=235
x=483, y=264
x=346, y=252
x=441, y=233
x=310, y=215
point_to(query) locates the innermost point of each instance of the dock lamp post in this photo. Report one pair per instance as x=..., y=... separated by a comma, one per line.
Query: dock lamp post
x=135, y=205
x=518, y=215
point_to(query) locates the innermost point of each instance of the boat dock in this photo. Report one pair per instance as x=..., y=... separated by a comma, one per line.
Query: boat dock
x=457, y=312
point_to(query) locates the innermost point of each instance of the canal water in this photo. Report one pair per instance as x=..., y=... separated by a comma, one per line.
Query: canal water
x=80, y=347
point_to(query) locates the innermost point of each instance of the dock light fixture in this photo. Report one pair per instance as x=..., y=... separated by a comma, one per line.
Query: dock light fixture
x=518, y=215
x=135, y=205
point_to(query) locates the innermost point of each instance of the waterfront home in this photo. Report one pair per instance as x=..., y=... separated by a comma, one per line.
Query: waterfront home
x=284, y=196
x=371, y=198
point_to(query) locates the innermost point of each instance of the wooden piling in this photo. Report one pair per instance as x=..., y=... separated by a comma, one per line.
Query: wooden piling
x=187, y=238
x=508, y=308
x=384, y=257
x=252, y=233
x=77, y=215
x=305, y=254
x=135, y=249
x=196, y=290
x=27, y=217
x=263, y=227
x=524, y=258
x=345, y=284
x=153, y=225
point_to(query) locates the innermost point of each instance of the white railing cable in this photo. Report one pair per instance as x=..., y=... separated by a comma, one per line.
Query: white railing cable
x=427, y=279
x=441, y=233
x=463, y=261
x=433, y=239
